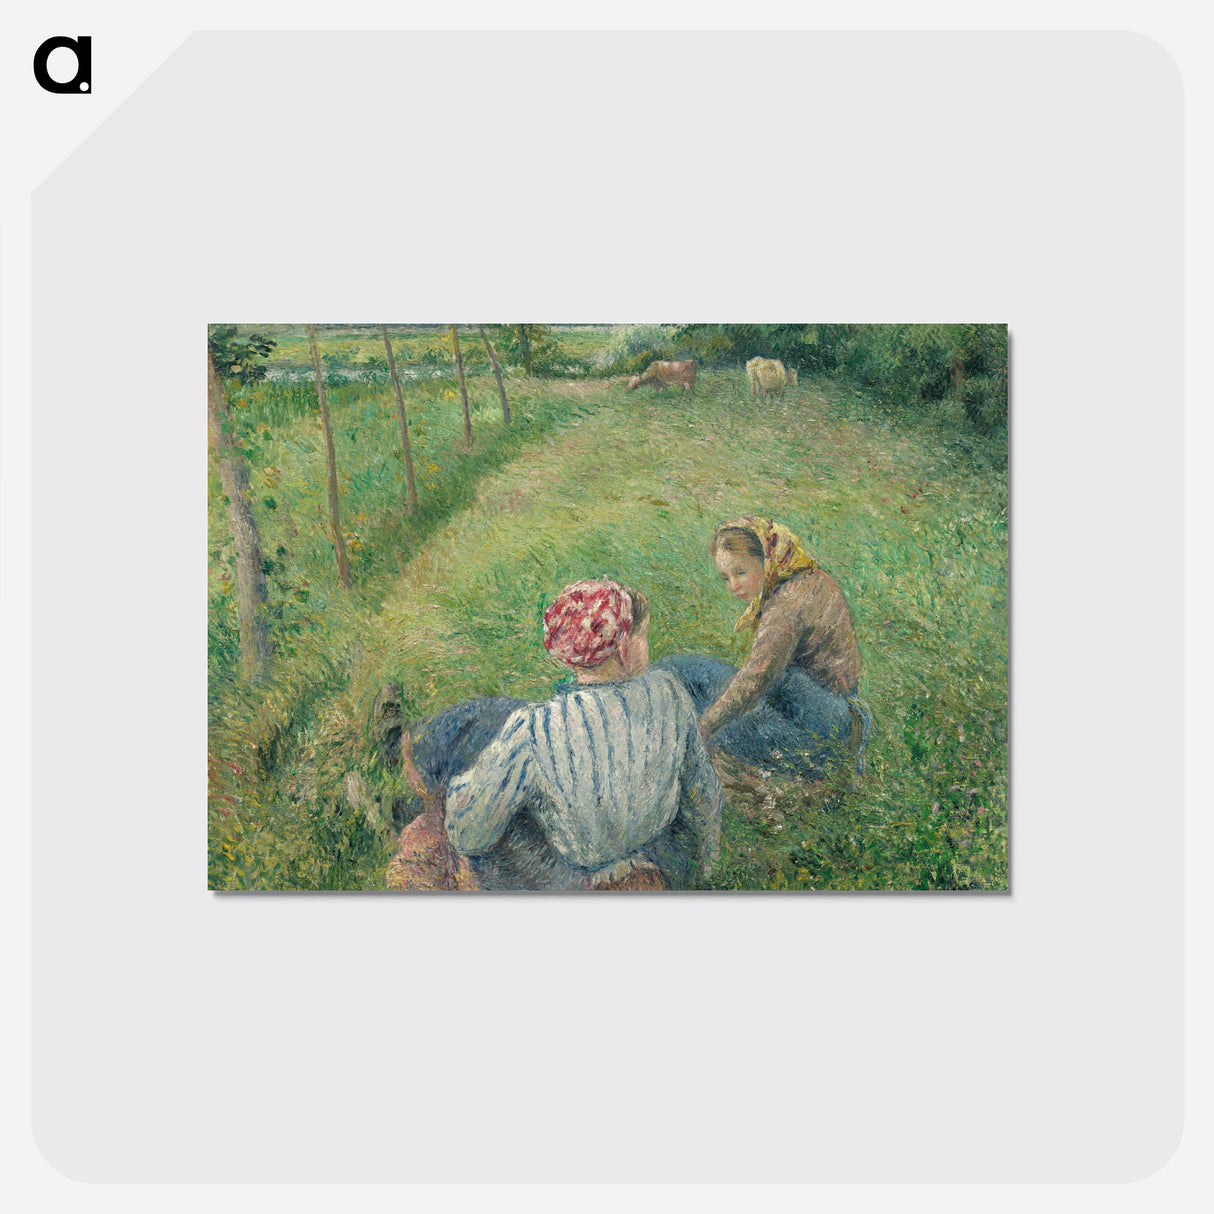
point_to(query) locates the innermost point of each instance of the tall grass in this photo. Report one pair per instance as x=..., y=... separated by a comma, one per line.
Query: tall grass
x=599, y=482
x=316, y=627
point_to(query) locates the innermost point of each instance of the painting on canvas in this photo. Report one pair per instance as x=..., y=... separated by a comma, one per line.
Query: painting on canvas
x=607, y=607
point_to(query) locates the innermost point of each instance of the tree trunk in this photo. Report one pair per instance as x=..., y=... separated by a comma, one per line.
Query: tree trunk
x=498, y=372
x=410, y=485
x=339, y=542
x=463, y=387
x=525, y=343
x=251, y=598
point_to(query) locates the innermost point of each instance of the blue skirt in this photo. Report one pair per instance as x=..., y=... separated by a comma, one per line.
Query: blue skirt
x=798, y=726
x=451, y=742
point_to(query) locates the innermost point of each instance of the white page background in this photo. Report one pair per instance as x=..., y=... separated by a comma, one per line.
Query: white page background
x=1059, y=1039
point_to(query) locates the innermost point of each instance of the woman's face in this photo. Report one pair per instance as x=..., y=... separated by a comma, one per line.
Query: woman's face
x=741, y=573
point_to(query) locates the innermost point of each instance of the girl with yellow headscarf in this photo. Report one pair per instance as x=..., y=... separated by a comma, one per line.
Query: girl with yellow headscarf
x=794, y=703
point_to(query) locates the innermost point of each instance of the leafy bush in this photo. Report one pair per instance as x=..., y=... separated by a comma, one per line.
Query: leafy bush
x=912, y=366
x=548, y=355
x=632, y=349
x=238, y=356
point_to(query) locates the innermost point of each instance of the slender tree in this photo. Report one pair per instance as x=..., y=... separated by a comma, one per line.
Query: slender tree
x=498, y=372
x=525, y=345
x=463, y=387
x=410, y=485
x=339, y=542
x=251, y=598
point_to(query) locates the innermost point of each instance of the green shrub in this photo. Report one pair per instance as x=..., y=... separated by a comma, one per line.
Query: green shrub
x=632, y=349
x=548, y=354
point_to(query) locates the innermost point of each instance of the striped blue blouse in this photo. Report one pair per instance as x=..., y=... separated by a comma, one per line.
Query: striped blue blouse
x=603, y=769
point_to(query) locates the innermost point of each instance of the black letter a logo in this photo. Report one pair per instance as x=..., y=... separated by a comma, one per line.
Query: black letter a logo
x=82, y=48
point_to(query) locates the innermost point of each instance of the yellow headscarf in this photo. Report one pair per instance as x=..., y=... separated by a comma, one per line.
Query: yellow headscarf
x=783, y=556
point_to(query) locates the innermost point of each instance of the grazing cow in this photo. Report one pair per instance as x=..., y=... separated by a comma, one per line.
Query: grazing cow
x=768, y=376
x=664, y=372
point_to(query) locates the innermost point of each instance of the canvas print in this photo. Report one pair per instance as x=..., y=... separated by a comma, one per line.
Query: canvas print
x=607, y=607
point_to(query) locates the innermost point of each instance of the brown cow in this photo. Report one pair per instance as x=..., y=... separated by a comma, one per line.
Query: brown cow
x=664, y=372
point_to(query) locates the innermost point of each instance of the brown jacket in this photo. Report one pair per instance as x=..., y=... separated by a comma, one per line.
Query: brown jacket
x=805, y=622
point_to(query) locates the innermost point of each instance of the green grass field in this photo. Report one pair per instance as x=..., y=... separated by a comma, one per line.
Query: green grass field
x=593, y=481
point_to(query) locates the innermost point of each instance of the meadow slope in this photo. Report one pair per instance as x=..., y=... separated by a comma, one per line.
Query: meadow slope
x=596, y=481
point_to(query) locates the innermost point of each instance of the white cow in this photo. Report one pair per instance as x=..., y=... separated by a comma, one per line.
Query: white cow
x=768, y=376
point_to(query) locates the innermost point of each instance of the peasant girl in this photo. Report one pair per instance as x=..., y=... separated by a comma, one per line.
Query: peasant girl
x=794, y=703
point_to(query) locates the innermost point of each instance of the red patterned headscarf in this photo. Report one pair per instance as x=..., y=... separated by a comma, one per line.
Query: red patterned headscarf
x=586, y=622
